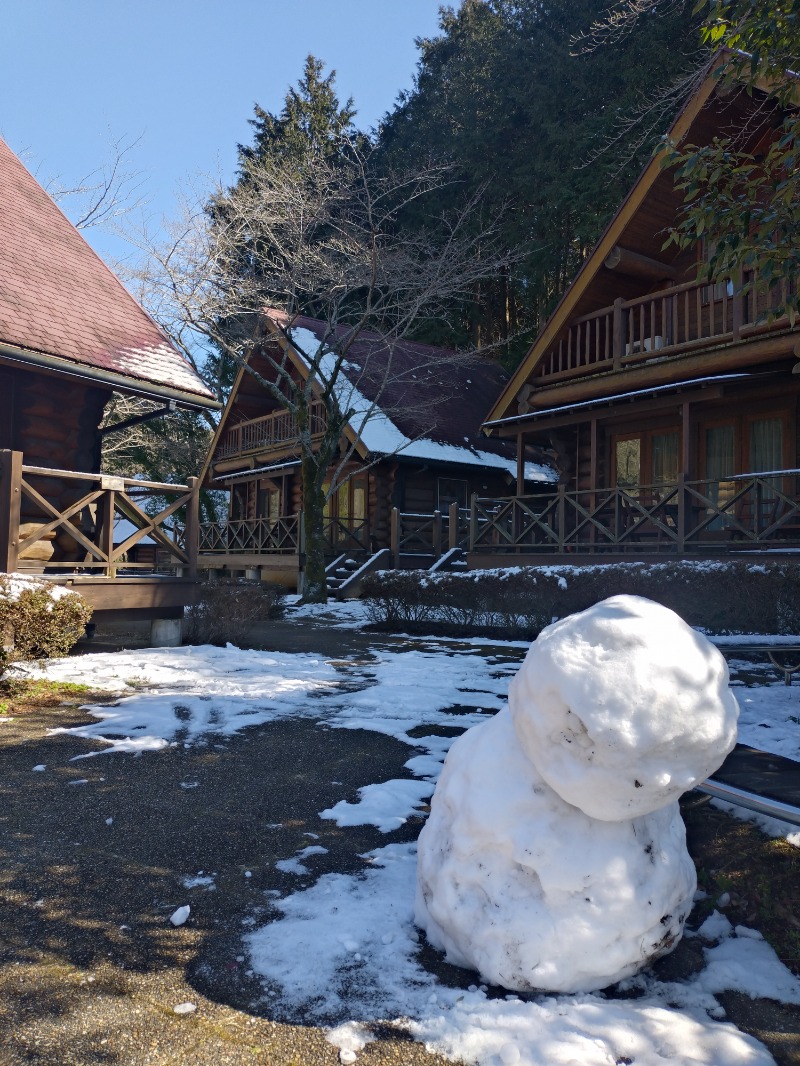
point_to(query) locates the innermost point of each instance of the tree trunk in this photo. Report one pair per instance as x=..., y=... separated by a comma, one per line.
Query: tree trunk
x=315, y=588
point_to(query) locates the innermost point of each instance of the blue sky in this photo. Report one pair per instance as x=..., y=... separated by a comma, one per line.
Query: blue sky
x=183, y=75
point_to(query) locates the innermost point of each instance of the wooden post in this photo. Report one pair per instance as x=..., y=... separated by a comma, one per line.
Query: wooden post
x=473, y=520
x=738, y=305
x=682, y=512
x=193, y=526
x=10, y=499
x=686, y=451
x=437, y=534
x=394, y=537
x=593, y=474
x=562, y=514
x=106, y=530
x=452, y=526
x=618, y=335
x=520, y=464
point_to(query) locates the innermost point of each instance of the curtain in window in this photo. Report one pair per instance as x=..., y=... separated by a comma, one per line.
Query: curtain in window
x=720, y=462
x=665, y=458
x=766, y=444
x=766, y=453
x=629, y=463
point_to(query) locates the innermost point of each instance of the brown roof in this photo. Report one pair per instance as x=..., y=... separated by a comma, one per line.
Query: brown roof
x=59, y=300
x=428, y=391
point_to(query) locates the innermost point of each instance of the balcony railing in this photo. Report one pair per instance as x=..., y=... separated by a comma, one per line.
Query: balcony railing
x=742, y=512
x=667, y=322
x=63, y=521
x=429, y=534
x=279, y=536
x=254, y=536
x=269, y=431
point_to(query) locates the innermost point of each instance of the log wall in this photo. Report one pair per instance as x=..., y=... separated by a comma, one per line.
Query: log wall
x=54, y=422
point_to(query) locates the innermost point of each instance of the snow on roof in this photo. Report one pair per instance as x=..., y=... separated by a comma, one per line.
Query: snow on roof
x=272, y=468
x=59, y=299
x=456, y=425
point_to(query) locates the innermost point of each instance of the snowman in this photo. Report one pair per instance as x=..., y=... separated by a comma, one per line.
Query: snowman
x=555, y=855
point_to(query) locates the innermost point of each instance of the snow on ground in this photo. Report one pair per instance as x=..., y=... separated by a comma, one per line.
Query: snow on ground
x=359, y=928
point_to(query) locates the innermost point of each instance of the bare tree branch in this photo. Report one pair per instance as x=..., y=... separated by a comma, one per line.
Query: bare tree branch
x=106, y=193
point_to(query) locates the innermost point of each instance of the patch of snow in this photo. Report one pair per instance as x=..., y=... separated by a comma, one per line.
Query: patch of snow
x=200, y=880
x=180, y=916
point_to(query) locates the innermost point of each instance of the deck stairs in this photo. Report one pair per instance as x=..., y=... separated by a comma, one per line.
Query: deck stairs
x=346, y=573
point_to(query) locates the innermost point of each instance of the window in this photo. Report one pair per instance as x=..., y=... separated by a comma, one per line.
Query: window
x=346, y=510
x=269, y=500
x=646, y=459
x=451, y=490
x=750, y=444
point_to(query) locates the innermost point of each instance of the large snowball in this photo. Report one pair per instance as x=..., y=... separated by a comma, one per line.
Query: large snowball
x=517, y=884
x=623, y=707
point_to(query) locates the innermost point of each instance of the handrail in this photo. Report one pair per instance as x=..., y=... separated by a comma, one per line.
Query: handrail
x=251, y=536
x=674, y=319
x=73, y=529
x=686, y=516
x=270, y=430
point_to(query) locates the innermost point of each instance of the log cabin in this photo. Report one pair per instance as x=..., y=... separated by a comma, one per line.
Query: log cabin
x=70, y=336
x=417, y=454
x=672, y=403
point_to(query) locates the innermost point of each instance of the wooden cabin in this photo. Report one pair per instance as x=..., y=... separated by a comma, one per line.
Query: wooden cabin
x=419, y=454
x=672, y=404
x=70, y=336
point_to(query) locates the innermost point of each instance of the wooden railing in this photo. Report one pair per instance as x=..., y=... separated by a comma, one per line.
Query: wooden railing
x=741, y=512
x=346, y=534
x=252, y=536
x=268, y=431
x=662, y=323
x=61, y=521
x=279, y=536
x=429, y=534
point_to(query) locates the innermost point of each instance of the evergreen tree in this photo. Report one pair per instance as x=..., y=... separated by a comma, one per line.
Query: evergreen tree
x=503, y=92
x=313, y=128
x=311, y=124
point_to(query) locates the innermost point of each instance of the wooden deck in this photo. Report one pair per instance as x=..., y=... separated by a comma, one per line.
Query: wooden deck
x=65, y=526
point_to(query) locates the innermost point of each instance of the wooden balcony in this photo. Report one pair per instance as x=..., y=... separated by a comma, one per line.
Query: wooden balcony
x=744, y=513
x=272, y=432
x=670, y=322
x=248, y=542
x=64, y=525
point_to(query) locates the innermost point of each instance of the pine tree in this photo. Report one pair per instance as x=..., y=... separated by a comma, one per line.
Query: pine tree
x=504, y=93
x=312, y=128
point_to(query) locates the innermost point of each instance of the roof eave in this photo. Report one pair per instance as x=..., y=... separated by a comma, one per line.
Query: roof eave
x=115, y=381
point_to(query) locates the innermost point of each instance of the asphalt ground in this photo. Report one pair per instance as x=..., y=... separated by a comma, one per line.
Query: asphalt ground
x=90, y=967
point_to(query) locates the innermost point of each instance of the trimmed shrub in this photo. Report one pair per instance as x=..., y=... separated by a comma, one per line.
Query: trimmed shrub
x=38, y=619
x=228, y=608
x=720, y=597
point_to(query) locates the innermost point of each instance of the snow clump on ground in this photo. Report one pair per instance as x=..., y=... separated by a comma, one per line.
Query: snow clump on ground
x=555, y=855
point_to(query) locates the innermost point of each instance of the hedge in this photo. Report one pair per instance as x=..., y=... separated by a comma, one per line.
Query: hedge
x=720, y=597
